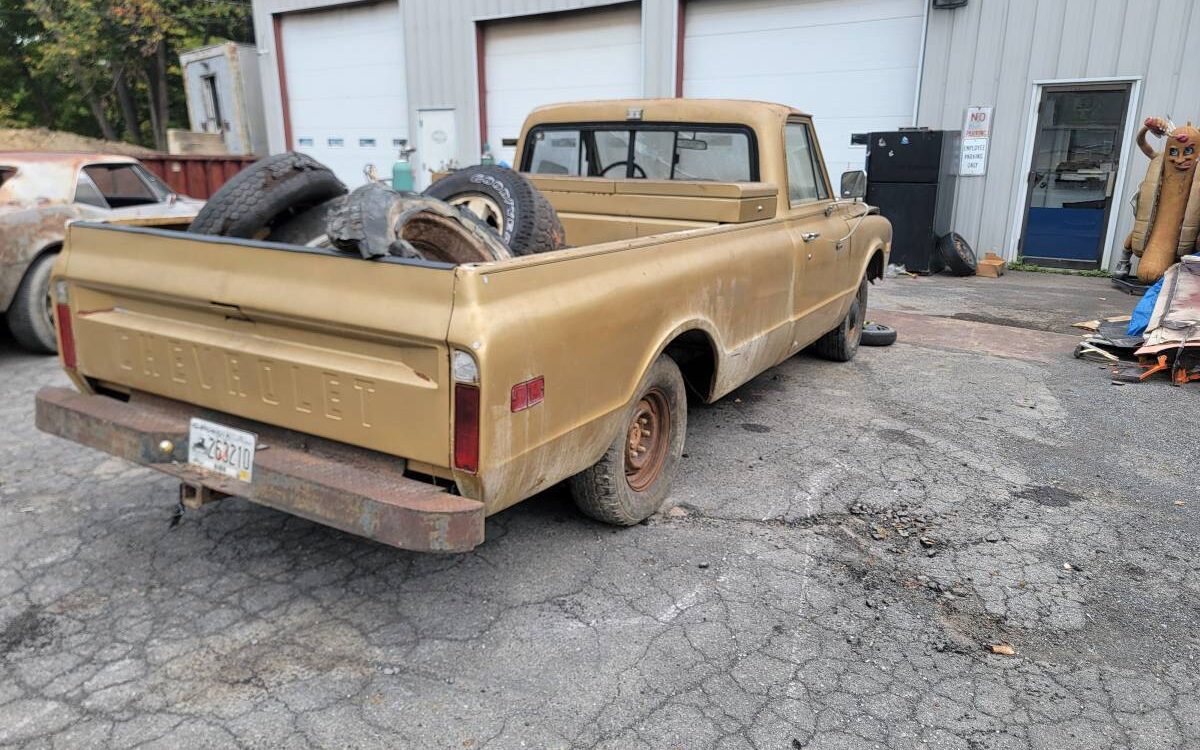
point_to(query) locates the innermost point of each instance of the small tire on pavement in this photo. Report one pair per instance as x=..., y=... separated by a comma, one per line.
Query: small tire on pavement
x=267, y=194
x=29, y=316
x=957, y=254
x=841, y=344
x=878, y=334
x=508, y=203
x=633, y=478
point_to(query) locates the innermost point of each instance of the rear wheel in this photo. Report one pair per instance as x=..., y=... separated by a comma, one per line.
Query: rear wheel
x=633, y=478
x=841, y=344
x=29, y=317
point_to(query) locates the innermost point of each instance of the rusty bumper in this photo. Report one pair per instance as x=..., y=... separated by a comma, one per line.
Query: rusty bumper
x=351, y=489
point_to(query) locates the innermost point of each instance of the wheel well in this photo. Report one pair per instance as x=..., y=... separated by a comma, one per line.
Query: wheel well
x=696, y=356
x=875, y=267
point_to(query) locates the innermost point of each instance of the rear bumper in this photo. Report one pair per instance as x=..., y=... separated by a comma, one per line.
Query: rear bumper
x=354, y=490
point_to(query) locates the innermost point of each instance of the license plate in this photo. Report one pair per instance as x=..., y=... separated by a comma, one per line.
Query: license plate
x=221, y=449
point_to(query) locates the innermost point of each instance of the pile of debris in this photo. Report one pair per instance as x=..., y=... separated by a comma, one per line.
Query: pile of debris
x=1162, y=335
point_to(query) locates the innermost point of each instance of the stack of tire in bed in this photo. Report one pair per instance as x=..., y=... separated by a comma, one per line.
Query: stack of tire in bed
x=474, y=215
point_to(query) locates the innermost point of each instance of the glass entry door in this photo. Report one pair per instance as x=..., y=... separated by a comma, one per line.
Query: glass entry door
x=1080, y=132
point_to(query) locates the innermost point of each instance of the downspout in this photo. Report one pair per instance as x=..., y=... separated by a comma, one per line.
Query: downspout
x=921, y=62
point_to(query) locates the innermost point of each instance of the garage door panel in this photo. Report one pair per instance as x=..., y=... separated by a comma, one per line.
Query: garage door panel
x=566, y=32
x=345, y=76
x=529, y=62
x=611, y=66
x=824, y=95
x=740, y=16
x=852, y=64
x=775, y=50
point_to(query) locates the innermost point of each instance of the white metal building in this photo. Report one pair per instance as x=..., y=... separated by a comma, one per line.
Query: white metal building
x=355, y=78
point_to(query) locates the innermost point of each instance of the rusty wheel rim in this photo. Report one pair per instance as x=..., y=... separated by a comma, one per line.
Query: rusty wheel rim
x=647, y=439
x=484, y=208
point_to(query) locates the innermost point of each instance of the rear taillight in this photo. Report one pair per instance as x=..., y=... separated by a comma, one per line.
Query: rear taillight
x=466, y=410
x=466, y=427
x=66, y=334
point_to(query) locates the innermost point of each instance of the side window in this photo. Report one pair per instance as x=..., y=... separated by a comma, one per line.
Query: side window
x=806, y=182
x=121, y=185
x=86, y=192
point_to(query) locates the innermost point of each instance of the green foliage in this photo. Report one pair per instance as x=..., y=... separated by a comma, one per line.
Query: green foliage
x=103, y=67
x=1020, y=265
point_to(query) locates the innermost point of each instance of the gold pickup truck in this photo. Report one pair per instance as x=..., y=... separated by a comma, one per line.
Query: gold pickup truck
x=406, y=400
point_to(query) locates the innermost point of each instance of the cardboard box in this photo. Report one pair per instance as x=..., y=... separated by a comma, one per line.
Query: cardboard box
x=991, y=266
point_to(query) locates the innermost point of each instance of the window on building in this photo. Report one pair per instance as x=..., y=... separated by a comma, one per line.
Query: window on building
x=806, y=176
x=653, y=152
x=213, y=122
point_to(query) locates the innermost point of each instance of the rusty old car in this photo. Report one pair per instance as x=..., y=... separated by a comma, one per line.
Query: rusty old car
x=39, y=193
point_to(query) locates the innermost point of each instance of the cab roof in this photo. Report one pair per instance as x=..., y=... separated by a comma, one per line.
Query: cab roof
x=725, y=111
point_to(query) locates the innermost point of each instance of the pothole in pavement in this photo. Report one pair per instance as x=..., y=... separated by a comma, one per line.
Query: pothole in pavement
x=1054, y=497
x=1000, y=320
x=31, y=629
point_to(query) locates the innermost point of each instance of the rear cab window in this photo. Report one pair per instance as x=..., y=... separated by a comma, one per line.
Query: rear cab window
x=806, y=173
x=648, y=151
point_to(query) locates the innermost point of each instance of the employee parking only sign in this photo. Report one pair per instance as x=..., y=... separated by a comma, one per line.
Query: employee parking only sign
x=977, y=128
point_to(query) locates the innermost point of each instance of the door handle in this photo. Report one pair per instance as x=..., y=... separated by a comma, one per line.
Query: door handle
x=810, y=236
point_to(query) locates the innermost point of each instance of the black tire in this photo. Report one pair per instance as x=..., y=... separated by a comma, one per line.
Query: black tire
x=308, y=226
x=608, y=492
x=527, y=224
x=841, y=344
x=877, y=334
x=29, y=316
x=958, y=256
x=266, y=194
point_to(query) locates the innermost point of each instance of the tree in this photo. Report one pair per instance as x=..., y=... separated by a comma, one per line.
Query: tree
x=114, y=60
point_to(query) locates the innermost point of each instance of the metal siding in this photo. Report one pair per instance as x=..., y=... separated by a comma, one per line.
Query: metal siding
x=973, y=59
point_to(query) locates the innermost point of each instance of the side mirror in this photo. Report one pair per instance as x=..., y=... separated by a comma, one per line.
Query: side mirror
x=854, y=184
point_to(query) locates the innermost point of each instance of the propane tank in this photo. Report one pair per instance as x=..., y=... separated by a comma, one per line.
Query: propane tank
x=486, y=157
x=402, y=173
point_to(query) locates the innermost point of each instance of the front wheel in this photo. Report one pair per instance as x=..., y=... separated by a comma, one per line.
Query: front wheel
x=29, y=316
x=841, y=344
x=633, y=478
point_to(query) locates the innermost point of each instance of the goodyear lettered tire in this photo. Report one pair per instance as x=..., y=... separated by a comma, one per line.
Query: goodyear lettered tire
x=506, y=202
x=841, y=344
x=29, y=316
x=266, y=195
x=633, y=478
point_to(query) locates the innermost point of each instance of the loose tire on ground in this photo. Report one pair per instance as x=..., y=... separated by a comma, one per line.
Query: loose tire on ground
x=29, y=316
x=265, y=195
x=627, y=485
x=957, y=254
x=508, y=203
x=877, y=334
x=841, y=344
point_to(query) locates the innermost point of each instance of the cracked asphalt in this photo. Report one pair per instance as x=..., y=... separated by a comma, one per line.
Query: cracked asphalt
x=845, y=544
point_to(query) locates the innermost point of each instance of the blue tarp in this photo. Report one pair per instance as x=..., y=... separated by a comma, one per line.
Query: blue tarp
x=1144, y=309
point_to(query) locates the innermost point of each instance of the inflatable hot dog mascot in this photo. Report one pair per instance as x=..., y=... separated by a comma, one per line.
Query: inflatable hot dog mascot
x=1167, y=218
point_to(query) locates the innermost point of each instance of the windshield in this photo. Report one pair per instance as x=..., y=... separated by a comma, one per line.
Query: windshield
x=653, y=152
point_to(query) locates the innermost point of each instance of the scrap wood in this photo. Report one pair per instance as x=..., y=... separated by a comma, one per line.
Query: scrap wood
x=1004, y=649
x=1087, y=350
x=1094, y=325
